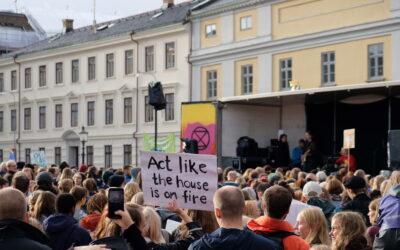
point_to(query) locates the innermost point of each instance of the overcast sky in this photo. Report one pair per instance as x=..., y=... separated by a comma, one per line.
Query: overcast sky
x=49, y=13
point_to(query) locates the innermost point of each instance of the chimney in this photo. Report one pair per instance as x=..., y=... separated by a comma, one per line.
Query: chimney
x=68, y=25
x=167, y=4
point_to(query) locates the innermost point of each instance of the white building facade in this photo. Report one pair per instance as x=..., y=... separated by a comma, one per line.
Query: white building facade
x=97, y=80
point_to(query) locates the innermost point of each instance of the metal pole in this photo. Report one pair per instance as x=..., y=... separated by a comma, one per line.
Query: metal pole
x=155, y=131
x=389, y=110
x=334, y=123
x=83, y=148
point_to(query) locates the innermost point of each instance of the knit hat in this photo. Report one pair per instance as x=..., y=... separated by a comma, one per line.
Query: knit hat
x=83, y=168
x=321, y=176
x=134, y=173
x=44, y=177
x=116, y=180
x=106, y=175
x=312, y=189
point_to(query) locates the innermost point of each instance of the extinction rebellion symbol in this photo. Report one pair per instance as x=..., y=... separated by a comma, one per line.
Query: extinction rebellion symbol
x=202, y=136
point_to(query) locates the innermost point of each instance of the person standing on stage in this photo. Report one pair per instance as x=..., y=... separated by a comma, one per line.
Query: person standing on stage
x=283, y=158
x=346, y=160
x=297, y=153
x=311, y=158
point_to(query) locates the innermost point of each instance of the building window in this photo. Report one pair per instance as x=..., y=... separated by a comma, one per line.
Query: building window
x=170, y=107
x=42, y=76
x=89, y=152
x=286, y=72
x=169, y=55
x=13, y=80
x=58, y=115
x=13, y=120
x=1, y=82
x=91, y=68
x=128, y=110
x=108, y=156
x=42, y=117
x=211, y=30
x=247, y=79
x=74, y=114
x=27, y=119
x=127, y=154
x=90, y=113
x=128, y=62
x=109, y=112
x=59, y=72
x=246, y=23
x=28, y=77
x=149, y=58
x=57, y=155
x=75, y=70
x=110, y=65
x=375, y=61
x=328, y=68
x=27, y=156
x=212, y=76
x=42, y=149
x=1, y=155
x=149, y=110
x=1, y=121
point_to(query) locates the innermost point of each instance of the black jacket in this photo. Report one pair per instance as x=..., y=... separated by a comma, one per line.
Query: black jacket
x=18, y=235
x=235, y=239
x=359, y=204
x=136, y=241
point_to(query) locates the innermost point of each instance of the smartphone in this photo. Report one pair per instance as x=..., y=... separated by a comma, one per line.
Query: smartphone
x=115, y=202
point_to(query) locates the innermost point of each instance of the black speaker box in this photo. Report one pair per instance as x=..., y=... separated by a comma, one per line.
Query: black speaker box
x=394, y=149
x=156, y=96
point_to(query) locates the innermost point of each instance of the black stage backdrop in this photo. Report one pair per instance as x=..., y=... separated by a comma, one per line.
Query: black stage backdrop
x=369, y=120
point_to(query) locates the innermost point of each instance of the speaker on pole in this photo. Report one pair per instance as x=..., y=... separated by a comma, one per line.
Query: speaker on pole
x=156, y=96
x=394, y=149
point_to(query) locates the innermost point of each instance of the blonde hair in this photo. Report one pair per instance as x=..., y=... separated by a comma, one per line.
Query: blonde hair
x=316, y=220
x=152, y=229
x=130, y=190
x=249, y=208
x=67, y=174
x=374, y=206
x=138, y=199
x=320, y=247
x=376, y=184
x=393, y=180
x=294, y=173
x=246, y=173
x=352, y=225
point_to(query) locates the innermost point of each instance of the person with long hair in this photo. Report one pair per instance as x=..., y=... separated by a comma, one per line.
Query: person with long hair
x=251, y=211
x=95, y=207
x=283, y=154
x=130, y=190
x=66, y=174
x=373, y=215
x=205, y=218
x=78, y=179
x=393, y=181
x=91, y=186
x=45, y=206
x=348, y=229
x=152, y=227
x=312, y=227
x=65, y=186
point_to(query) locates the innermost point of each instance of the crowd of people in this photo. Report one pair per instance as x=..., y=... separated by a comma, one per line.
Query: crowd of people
x=60, y=208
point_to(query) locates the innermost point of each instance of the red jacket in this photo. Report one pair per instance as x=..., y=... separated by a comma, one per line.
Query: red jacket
x=90, y=222
x=350, y=161
x=267, y=224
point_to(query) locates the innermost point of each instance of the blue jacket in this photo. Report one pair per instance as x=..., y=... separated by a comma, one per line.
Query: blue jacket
x=223, y=238
x=64, y=233
x=389, y=209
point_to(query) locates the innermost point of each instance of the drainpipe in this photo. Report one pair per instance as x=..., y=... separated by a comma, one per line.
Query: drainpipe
x=137, y=99
x=19, y=109
x=188, y=60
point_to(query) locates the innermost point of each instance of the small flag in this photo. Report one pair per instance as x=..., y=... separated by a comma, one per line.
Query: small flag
x=12, y=155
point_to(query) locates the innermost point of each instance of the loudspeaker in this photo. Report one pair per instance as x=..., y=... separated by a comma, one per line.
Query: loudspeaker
x=156, y=96
x=394, y=149
x=191, y=146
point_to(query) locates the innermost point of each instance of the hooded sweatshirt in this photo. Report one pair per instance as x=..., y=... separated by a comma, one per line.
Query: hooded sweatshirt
x=270, y=225
x=64, y=233
x=224, y=238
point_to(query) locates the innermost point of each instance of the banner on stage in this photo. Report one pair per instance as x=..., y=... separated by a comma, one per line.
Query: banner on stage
x=190, y=179
x=349, y=138
x=39, y=158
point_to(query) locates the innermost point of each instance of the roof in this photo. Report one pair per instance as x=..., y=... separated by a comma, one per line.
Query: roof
x=144, y=21
x=14, y=20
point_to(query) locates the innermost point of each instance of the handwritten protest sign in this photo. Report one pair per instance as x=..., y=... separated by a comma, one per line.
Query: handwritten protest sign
x=349, y=138
x=190, y=179
x=39, y=158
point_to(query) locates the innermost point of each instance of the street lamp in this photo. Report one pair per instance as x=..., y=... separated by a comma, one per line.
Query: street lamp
x=84, y=137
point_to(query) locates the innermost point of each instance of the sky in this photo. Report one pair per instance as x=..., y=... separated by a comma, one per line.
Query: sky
x=49, y=13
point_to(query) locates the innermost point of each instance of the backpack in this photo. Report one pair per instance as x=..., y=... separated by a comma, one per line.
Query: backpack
x=275, y=237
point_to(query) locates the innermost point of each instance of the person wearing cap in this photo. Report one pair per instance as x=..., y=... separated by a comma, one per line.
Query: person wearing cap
x=355, y=188
x=44, y=182
x=312, y=192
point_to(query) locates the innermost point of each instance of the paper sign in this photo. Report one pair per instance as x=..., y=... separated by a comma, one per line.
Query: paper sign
x=171, y=226
x=39, y=158
x=190, y=179
x=349, y=138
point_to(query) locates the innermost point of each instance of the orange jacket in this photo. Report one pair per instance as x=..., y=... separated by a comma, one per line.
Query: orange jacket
x=90, y=222
x=267, y=224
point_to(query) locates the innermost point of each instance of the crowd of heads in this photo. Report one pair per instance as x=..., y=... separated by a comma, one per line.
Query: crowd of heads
x=322, y=211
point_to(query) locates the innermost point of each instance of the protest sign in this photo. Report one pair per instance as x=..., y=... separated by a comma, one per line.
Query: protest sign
x=190, y=179
x=349, y=138
x=39, y=158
